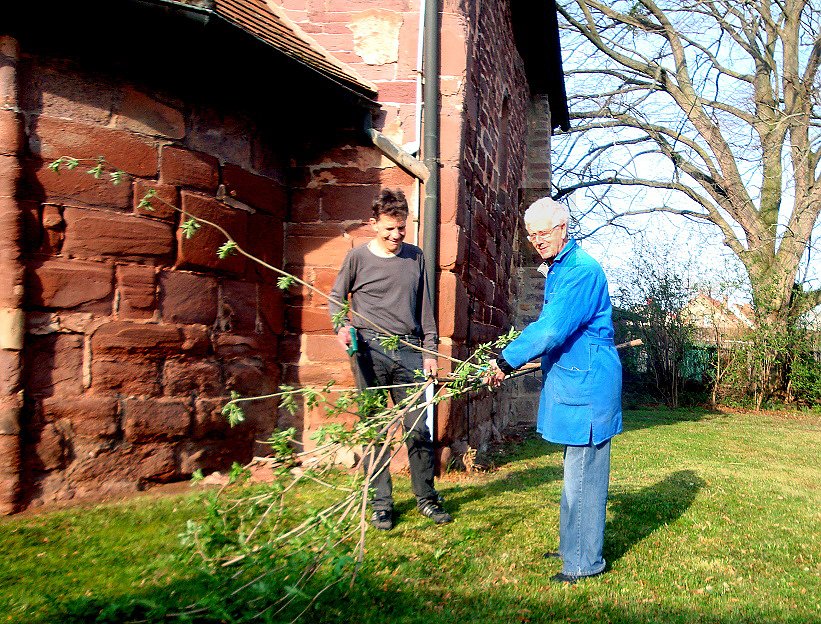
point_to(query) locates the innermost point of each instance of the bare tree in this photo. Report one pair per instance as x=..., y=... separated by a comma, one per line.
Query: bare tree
x=714, y=106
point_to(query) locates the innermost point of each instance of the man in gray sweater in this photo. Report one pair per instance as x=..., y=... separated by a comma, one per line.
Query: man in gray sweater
x=386, y=282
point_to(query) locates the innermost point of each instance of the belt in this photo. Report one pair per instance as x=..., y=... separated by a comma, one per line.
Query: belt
x=370, y=334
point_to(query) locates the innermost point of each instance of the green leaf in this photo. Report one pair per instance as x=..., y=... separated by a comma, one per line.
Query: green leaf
x=72, y=163
x=197, y=476
x=232, y=411
x=190, y=227
x=54, y=165
x=285, y=282
x=116, y=176
x=145, y=202
x=390, y=343
x=229, y=248
x=340, y=318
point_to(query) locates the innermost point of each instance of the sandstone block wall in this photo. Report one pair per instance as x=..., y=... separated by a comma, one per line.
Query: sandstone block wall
x=136, y=334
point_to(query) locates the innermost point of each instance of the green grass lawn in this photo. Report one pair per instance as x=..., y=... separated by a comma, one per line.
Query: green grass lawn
x=712, y=518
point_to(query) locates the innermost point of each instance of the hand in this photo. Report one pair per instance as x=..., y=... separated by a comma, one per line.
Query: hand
x=430, y=367
x=494, y=375
x=343, y=336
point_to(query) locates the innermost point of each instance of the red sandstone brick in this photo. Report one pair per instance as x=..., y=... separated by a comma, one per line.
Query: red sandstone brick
x=90, y=416
x=183, y=167
x=146, y=420
x=197, y=341
x=218, y=455
x=249, y=376
x=312, y=375
x=200, y=251
x=62, y=283
x=319, y=348
x=255, y=190
x=54, y=365
x=163, y=204
x=93, y=234
x=450, y=180
x=271, y=307
x=49, y=449
x=53, y=229
x=9, y=458
x=126, y=467
x=188, y=297
x=124, y=338
x=76, y=187
x=315, y=251
x=452, y=306
x=265, y=240
x=11, y=367
x=239, y=306
x=52, y=138
x=9, y=490
x=137, y=286
x=306, y=205
x=346, y=175
x=228, y=137
x=401, y=91
x=58, y=92
x=186, y=378
x=451, y=246
x=396, y=177
x=128, y=377
x=321, y=230
x=452, y=135
x=341, y=203
x=309, y=320
x=142, y=113
x=323, y=281
x=208, y=418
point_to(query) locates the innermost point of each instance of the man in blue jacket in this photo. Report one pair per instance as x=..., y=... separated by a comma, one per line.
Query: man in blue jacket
x=580, y=403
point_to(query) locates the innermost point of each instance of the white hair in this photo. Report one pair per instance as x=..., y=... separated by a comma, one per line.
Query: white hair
x=546, y=210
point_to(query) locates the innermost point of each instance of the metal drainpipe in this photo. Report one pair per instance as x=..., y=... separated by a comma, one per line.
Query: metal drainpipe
x=12, y=317
x=430, y=146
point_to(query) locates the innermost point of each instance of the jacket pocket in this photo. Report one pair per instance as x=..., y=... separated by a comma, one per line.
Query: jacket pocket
x=569, y=386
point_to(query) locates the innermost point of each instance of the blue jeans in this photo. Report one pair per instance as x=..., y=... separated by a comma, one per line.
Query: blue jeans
x=376, y=366
x=582, y=510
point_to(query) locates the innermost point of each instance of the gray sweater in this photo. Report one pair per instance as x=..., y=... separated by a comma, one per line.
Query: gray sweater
x=393, y=292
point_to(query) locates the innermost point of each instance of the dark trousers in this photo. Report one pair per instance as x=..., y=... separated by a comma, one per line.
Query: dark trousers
x=374, y=365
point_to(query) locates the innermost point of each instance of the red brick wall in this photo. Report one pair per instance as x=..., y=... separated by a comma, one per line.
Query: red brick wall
x=484, y=107
x=137, y=334
x=479, y=259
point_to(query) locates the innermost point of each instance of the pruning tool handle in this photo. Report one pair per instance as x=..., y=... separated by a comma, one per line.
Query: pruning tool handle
x=353, y=347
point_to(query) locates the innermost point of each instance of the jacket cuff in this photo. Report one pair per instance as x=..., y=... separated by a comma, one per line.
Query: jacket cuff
x=503, y=365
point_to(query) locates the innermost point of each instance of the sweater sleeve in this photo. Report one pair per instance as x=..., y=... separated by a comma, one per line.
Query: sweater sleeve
x=342, y=287
x=570, y=308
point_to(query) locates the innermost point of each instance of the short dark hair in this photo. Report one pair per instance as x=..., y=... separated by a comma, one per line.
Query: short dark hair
x=391, y=204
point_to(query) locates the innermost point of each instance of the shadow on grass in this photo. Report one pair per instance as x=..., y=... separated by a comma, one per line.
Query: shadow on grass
x=635, y=515
x=448, y=598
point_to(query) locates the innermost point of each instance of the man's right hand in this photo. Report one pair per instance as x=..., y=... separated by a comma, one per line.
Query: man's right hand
x=343, y=336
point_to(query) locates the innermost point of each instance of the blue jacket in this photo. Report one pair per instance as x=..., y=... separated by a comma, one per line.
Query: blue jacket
x=581, y=371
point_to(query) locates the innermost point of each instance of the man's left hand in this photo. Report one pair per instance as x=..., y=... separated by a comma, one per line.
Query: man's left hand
x=430, y=367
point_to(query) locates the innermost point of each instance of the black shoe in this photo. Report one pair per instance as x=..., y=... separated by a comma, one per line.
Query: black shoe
x=382, y=519
x=561, y=577
x=433, y=509
x=552, y=555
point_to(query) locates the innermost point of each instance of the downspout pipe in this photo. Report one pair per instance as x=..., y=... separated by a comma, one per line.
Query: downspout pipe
x=430, y=145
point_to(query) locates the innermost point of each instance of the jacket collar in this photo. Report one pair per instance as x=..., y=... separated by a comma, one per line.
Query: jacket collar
x=569, y=246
